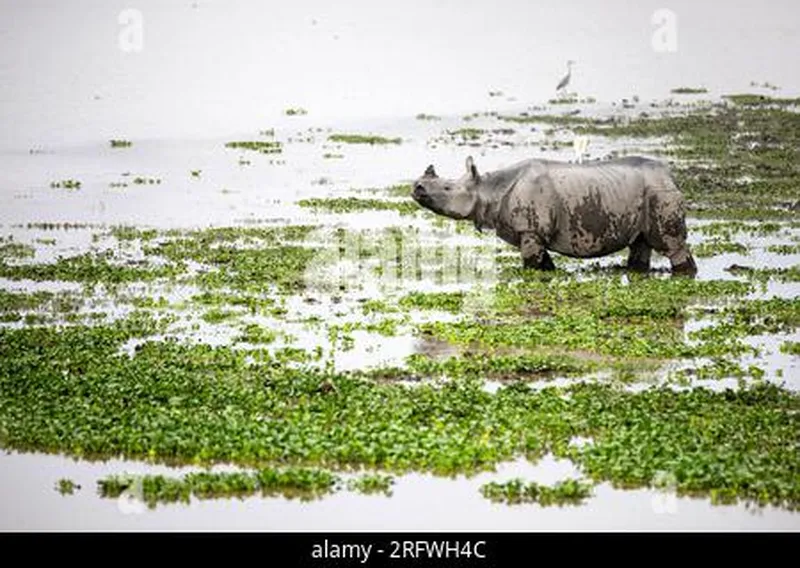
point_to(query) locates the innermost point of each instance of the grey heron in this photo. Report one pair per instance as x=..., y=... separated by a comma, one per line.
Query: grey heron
x=565, y=81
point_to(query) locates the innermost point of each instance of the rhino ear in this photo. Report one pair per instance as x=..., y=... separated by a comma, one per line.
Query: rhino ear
x=472, y=168
x=430, y=172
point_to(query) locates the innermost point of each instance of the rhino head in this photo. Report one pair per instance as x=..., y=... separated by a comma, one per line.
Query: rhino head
x=454, y=198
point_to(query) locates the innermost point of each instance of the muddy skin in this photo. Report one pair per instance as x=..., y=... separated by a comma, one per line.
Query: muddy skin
x=578, y=210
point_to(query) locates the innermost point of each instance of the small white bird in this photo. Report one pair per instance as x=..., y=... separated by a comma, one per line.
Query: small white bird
x=565, y=81
x=580, y=144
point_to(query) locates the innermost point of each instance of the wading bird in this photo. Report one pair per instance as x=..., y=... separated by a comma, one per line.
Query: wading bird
x=565, y=81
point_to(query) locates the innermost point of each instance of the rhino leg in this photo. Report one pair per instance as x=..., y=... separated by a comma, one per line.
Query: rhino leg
x=639, y=257
x=534, y=255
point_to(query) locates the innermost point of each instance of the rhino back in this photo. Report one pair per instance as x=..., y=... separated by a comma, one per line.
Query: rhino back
x=587, y=210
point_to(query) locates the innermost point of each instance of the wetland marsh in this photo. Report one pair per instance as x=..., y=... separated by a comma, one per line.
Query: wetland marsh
x=256, y=327
x=345, y=331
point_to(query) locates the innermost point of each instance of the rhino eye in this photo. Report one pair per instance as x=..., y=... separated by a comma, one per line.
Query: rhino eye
x=448, y=187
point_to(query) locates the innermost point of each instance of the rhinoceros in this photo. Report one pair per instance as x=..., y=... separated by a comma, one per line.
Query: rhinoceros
x=583, y=210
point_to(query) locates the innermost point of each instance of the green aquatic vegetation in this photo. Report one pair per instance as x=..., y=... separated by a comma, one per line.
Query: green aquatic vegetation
x=256, y=270
x=781, y=274
x=67, y=486
x=377, y=307
x=74, y=391
x=372, y=484
x=254, y=304
x=256, y=334
x=467, y=134
x=353, y=204
x=609, y=296
x=755, y=100
x=444, y=301
x=560, y=120
x=500, y=366
x=91, y=268
x=66, y=184
x=791, y=347
x=564, y=101
x=423, y=116
x=195, y=173
x=180, y=241
x=605, y=316
x=58, y=226
x=718, y=246
x=684, y=436
x=117, y=143
x=387, y=327
x=602, y=336
x=261, y=146
x=304, y=483
x=252, y=259
x=370, y=139
x=776, y=315
x=517, y=491
x=129, y=233
x=295, y=111
x=720, y=368
x=726, y=229
x=572, y=100
x=784, y=249
x=148, y=302
x=399, y=190
x=688, y=90
x=16, y=251
x=22, y=301
x=332, y=156
x=141, y=180
x=218, y=316
x=152, y=489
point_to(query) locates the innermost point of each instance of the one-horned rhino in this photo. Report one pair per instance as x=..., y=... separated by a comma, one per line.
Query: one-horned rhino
x=579, y=210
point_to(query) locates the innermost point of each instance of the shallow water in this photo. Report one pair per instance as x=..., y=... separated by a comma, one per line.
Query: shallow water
x=419, y=503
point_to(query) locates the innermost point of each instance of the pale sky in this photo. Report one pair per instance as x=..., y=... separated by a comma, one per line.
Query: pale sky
x=210, y=66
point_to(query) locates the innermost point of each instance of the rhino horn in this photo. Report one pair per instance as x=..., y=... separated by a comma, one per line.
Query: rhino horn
x=430, y=172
